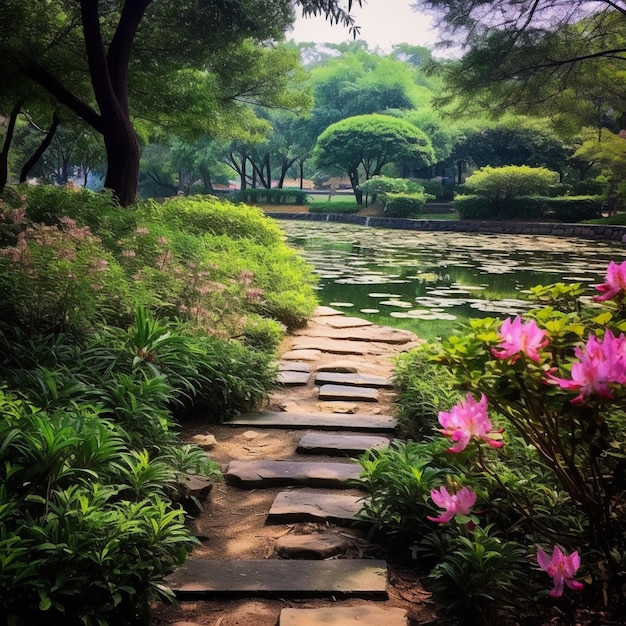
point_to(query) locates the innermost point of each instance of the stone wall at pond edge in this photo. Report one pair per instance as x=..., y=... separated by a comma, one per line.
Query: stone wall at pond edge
x=584, y=231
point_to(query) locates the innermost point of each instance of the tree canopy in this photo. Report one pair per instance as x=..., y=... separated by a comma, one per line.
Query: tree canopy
x=103, y=60
x=364, y=144
x=529, y=54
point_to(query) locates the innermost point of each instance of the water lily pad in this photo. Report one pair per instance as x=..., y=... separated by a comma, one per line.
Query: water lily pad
x=398, y=303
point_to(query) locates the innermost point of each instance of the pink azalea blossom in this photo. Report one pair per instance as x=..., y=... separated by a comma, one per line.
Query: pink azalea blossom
x=468, y=420
x=600, y=364
x=518, y=337
x=615, y=282
x=459, y=503
x=561, y=568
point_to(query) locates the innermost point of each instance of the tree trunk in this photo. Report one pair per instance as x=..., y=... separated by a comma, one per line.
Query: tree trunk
x=122, y=151
x=8, y=138
x=358, y=194
x=43, y=146
x=301, y=173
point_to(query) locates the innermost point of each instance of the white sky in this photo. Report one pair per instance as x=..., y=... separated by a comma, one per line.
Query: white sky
x=383, y=23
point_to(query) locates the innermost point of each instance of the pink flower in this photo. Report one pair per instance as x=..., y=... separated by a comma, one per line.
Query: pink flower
x=517, y=337
x=141, y=230
x=561, y=568
x=468, y=420
x=615, y=282
x=459, y=503
x=600, y=364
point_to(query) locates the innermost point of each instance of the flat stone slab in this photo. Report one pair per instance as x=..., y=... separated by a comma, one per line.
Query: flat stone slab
x=358, y=422
x=320, y=546
x=303, y=505
x=378, y=334
x=326, y=311
x=268, y=473
x=322, y=443
x=201, y=578
x=293, y=366
x=346, y=392
x=302, y=355
x=334, y=346
x=344, y=616
x=356, y=380
x=290, y=379
x=345, y=366
x=342, y=321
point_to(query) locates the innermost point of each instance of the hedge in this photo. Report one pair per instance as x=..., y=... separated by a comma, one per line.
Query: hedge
x=272, y=196
x=403, y=204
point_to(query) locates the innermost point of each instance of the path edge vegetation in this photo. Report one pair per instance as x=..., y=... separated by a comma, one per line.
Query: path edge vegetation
x=118, y=325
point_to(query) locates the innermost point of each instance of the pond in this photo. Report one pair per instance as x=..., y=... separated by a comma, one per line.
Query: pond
x=429, y=282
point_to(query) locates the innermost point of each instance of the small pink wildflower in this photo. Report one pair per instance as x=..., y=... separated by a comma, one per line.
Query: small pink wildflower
x=518, y=337
x=459, y=503
x=129, y=254
x=141, y=230
x=68, y=222
x=163, y=240
x=561, y=568
x=468, y=420
x=615, y=282
x=101, y=265
x=254, y=295
x=600, y=364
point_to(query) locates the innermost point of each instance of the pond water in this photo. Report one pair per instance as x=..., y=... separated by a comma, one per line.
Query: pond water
x=428, y=282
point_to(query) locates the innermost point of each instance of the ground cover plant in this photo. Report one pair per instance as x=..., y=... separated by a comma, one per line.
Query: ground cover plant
x=519, y=473
x=115, y=325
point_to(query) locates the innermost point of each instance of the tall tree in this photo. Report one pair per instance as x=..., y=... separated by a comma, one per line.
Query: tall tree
x=363, y=145
x=86, y=53
x=526, y=53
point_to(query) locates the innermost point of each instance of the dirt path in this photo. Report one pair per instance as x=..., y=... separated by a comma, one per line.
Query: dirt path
x=233, y=524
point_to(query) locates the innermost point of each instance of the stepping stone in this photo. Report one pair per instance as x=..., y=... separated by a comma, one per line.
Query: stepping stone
x=344, y=366
x=202, y=578
x=357, y=380
x=344, y=616
x=344, y=392
x=321, y=546
x=321, y=443
x=293, y=366
x=333, y=346
x=302, y=355
x=303, y=505
x=362, y=422
x=268, y=473
x=377, y=334
x=291, y=379
x=326, y=311
x=345, y=322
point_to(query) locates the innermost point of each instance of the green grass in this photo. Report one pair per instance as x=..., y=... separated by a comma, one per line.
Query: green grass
x=614, y=220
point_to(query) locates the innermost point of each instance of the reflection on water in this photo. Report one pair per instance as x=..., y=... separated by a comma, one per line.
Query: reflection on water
x=426, y=281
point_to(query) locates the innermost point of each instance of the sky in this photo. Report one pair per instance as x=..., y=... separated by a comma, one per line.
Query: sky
x=383, y=23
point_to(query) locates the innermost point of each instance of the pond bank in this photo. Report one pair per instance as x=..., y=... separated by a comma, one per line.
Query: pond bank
x=603, y=232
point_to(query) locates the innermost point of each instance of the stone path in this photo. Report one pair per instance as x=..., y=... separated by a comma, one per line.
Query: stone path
x=336, y=386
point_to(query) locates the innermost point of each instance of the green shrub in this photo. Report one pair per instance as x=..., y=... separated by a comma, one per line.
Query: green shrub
x=272, y=196
x=500, y=184
x=573, y=209
x=424, y=389
x=60, y=277
x=590, y=187
x=385, y=184
x=263, y=334
x=524, y=208
x=201, y=215
x=403, y=204
x=335, y=206
x=474, y=208
x=86, y=534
